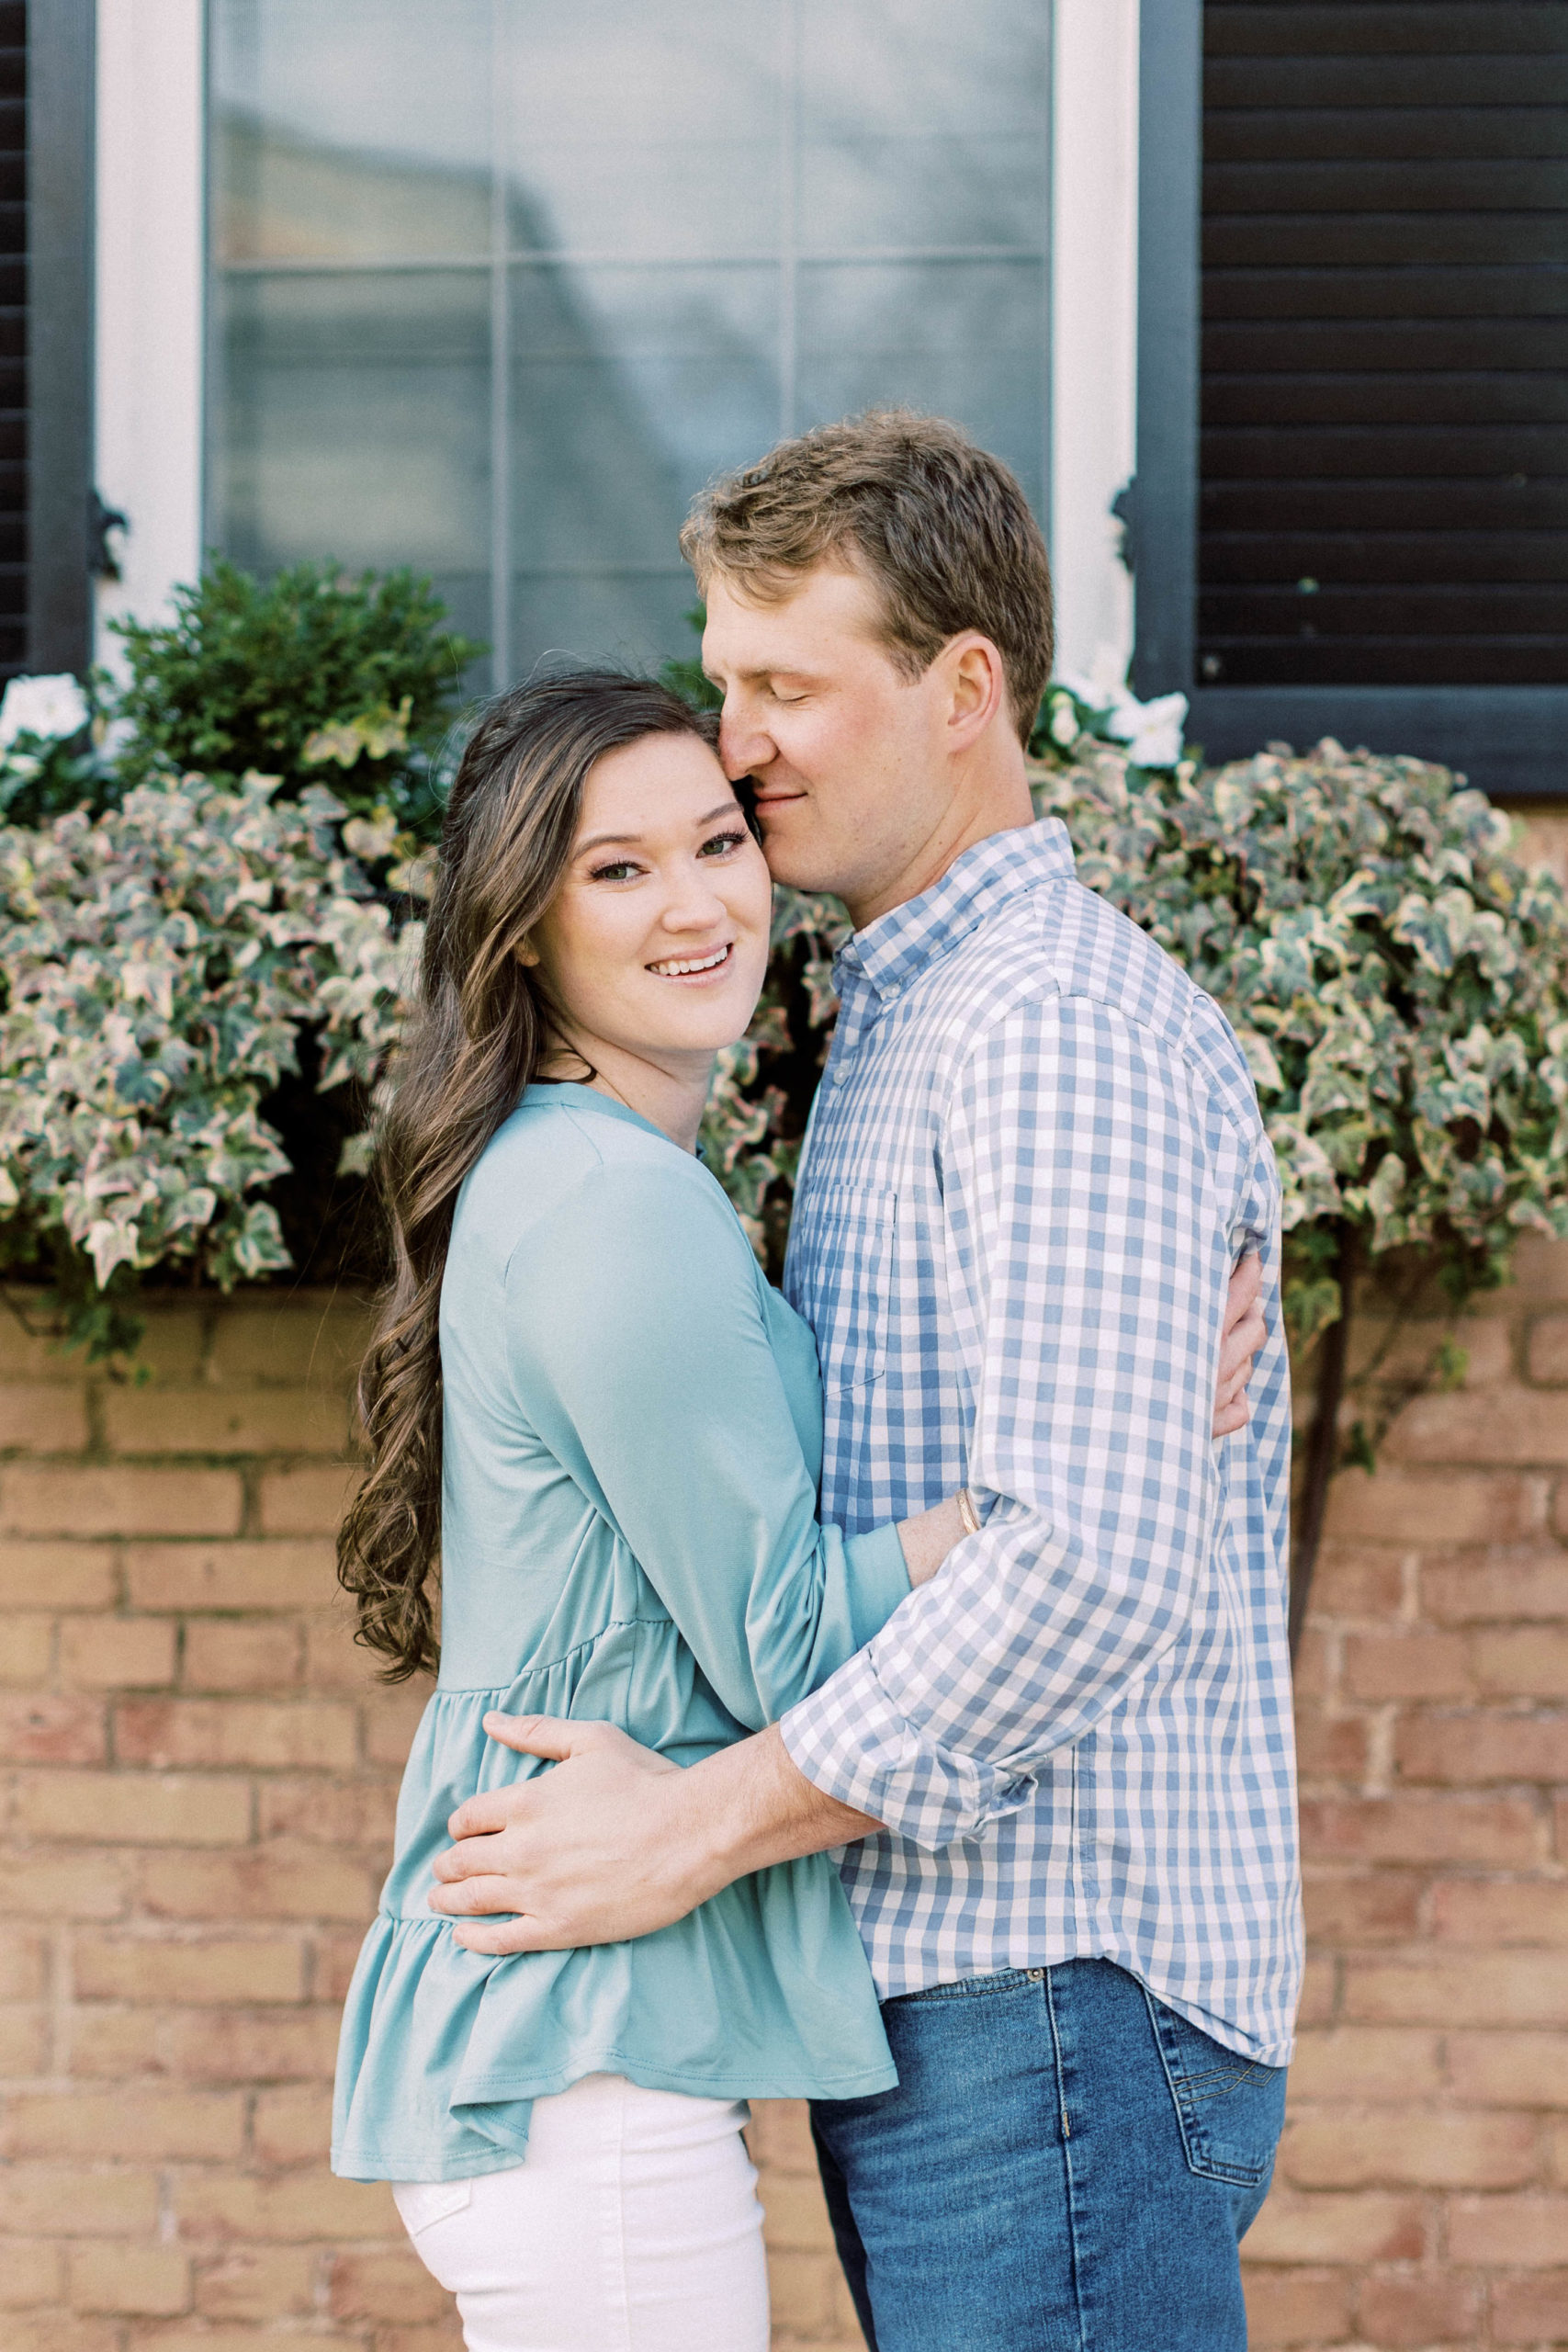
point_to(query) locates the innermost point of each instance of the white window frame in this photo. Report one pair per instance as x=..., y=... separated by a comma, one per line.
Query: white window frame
x=150, y=285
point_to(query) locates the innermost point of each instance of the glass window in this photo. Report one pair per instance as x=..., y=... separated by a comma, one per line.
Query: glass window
x=497, y=286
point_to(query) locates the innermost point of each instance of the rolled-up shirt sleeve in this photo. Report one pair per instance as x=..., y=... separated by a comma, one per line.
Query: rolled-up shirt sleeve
x=1096, y=1191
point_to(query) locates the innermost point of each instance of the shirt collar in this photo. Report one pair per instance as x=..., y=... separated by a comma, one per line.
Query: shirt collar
x=891, y=951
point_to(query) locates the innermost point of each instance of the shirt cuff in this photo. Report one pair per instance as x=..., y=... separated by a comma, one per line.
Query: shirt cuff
x=851, y=1742
x=877, y=1578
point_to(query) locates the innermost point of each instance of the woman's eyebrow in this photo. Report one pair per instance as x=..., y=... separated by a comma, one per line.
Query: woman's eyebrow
x=627, y=841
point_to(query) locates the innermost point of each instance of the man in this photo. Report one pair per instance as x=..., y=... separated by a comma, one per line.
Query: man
x=1063, y=1772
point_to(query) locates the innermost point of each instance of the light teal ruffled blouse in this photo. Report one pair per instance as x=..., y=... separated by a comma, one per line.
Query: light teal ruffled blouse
x=633, y=1437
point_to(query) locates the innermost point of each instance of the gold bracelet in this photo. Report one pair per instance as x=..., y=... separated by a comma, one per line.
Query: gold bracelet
x=966, y=1511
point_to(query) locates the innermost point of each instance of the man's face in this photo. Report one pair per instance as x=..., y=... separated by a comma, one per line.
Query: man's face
x=850, y=754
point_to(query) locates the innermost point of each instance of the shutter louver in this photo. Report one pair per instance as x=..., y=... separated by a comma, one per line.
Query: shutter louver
x=1384, y=444
x=13, y=339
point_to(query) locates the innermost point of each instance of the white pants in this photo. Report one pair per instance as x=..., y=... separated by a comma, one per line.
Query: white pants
x=632, y=2225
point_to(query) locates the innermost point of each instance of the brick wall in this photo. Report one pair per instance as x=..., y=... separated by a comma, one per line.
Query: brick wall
x=199, y=1774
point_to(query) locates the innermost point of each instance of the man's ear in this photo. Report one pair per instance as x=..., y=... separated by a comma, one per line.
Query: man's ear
x=977, y=687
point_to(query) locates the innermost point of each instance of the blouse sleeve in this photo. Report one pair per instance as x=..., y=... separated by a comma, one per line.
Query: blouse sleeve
x=639, y=1352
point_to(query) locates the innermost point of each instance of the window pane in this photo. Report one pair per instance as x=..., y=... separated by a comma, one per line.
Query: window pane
x=497, y=284
x=356, y=423
x=354, y=130
x=910, y=137
x=960, y=339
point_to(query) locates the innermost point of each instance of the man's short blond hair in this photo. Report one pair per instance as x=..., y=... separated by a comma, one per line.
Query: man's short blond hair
x=941, y=529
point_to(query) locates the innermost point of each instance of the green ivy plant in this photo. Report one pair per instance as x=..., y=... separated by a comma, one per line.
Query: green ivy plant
x=163, y=962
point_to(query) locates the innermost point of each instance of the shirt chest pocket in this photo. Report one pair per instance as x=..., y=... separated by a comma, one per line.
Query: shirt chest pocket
x=847, y=1257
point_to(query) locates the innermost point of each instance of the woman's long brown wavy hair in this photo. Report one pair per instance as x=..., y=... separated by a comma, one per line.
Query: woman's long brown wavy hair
x=478, y=1035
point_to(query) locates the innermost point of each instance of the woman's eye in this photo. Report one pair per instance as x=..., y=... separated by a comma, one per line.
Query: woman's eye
x=616, y=871
x=723, y=841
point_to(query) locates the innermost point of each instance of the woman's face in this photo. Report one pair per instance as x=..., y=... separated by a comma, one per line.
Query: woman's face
x=657, y=940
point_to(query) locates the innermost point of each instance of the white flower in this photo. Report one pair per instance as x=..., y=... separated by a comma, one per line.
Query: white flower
x=54, y=708
x=1151, y=730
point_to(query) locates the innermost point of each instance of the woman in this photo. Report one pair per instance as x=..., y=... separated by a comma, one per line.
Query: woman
x=584, y=1395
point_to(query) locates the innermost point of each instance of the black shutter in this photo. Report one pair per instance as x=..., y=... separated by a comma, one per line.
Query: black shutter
x=13, y=339
x=1385, y=448
x=1352, y=505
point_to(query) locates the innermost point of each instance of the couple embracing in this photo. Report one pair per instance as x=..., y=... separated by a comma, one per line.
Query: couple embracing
x=881, y=1697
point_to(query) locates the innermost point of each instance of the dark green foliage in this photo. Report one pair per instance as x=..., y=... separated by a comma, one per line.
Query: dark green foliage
x=687, y=678
x=309, y=675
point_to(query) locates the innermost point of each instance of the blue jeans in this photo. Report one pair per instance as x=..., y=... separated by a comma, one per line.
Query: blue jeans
x=1066, y=2166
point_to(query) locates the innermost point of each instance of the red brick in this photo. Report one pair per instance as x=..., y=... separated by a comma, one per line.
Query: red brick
x=1498, y=1585
x=334, y=1660
x=1405, y=2310
x=241, y=1654
x=1492, y=1428
x=306, y=1502
x=393, y=2284
x=24, y=2044
x=230, y=1575
x=1546, y=1351
x=250, y=2046
x=1357, y=1580
x=217, y=1971
x=1505, y=2232
x=1368, y=2225
x=84, y=1500
x=292, y=2207
x=57, y=1576
x=1509, y=2069
x=1320, y=1990
x=26, y=1652
x=38, y=1729
x=175, y=1337
x=90, y=2124
x=293, y=2126
x=1432, y=1506
x=118, y=1653
x=23, y=1964
x=1376, y=1907
x=279, y=1883
x=391, y=1718
x=1331, y=1748
x=1465, y=1749
x=1410, y=2147
x=262, y=2282
x=43, y=1420
x=79, y=1883
x=319, y=1342
x=31, y=2275
x=1360, y=2061
x=1501, y=1831
x=144, y=2280
x=1457, y=1989
x=1501, y=1911
x=164, y=1732
x=1531, y=2310
x=336, y=1959
x=335, y=1813
x=1406, y=1666
x=1541, y=1265
x=135, y=1809
x=60, y=2200
x=210, y=1421
x=1522, y=1661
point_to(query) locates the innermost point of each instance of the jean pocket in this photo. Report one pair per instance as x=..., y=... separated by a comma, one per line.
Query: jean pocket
x=1230, y=2109
x=970, y=1988
x=422, y=2203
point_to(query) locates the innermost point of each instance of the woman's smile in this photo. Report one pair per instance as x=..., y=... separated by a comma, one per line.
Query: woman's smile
x=697, y=968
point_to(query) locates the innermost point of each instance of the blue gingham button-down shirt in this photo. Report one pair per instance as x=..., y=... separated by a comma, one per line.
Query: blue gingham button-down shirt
x=1035, y=1156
